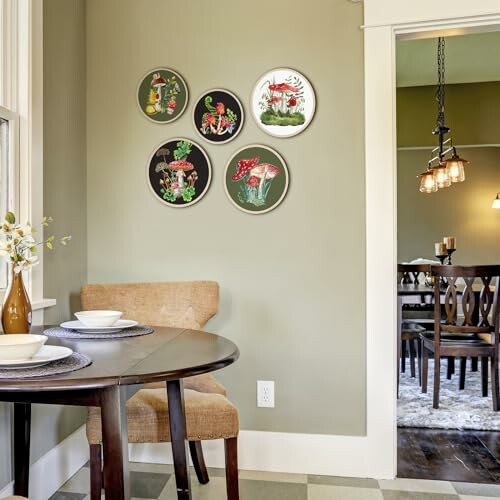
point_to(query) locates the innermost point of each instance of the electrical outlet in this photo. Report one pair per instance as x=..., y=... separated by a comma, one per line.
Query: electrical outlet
x=265, y=393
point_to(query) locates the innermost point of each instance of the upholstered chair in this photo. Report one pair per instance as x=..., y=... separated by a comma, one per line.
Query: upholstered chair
x=209, y=415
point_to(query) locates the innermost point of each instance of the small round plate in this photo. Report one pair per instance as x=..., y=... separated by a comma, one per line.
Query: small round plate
x=120, y=325
x=45, y=355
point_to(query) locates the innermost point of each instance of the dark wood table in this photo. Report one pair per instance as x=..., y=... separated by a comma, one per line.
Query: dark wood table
x=168, y=354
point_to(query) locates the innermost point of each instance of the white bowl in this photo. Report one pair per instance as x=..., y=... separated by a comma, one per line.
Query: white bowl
x=98, y=318
x=20, y=345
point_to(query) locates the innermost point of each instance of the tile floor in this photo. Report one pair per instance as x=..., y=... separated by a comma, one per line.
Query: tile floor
x=153, y=481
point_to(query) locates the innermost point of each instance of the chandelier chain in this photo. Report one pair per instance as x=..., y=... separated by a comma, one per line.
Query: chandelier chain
x=440, y=92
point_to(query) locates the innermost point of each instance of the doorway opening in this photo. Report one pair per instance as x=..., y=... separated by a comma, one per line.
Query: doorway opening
x=460, y=441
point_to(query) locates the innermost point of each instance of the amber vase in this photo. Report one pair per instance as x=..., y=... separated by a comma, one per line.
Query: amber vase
x=16, y=312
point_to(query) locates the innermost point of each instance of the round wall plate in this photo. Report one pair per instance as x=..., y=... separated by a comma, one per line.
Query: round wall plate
x=218, y=116
x=256, y=179
x=162, y=95
x=179, y=172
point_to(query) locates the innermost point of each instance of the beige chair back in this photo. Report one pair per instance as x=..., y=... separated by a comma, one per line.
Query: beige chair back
x=178, y=304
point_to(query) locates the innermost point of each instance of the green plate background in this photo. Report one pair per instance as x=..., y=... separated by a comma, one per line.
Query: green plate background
x=181, y=98
x=279, y=185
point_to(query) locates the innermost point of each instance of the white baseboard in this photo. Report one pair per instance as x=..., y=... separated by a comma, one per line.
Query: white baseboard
x=285, y=452
x=52, y=470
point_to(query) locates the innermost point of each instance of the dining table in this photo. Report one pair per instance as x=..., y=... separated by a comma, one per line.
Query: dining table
x=119, y=367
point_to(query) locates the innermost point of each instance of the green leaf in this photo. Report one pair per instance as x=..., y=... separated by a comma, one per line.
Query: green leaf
x=49, y=245
x=10, y=218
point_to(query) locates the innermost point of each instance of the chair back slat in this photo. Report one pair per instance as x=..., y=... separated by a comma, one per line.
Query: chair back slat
x=413, y=274
x=476, y=300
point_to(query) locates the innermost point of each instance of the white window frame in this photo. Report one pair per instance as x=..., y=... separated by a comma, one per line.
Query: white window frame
x=22, y=94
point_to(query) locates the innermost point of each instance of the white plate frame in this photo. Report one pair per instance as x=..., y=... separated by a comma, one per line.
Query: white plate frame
x=300, y=128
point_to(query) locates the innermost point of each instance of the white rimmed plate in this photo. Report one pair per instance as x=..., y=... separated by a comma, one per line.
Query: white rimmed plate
x=45, y=355
x=120, y=325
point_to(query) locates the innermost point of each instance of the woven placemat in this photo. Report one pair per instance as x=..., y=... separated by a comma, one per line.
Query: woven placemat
x=65, y=333
x=74, y=362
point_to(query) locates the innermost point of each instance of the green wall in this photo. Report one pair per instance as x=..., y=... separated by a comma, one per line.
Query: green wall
x=463, y=210
x=292, y=281
x=471, y=113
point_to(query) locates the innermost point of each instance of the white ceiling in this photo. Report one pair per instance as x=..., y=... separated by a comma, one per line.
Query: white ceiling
x=469, y=59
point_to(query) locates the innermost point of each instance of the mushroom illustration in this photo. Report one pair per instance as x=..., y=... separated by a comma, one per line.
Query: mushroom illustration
x=283, y=89
x=253, y=181
x=274, y=102
x=180, y=167
x=158, y=82
x=262, y=172
x=244, y=166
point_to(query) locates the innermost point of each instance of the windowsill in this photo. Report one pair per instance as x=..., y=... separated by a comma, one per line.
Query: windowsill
x=43, y=304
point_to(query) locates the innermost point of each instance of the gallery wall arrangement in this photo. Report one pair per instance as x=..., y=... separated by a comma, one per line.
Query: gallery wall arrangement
x=256, y=176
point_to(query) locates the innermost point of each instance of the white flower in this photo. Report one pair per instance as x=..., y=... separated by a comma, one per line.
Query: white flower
x=23, y=231
x=6, y=227
x=26, y=264
x=7, y=247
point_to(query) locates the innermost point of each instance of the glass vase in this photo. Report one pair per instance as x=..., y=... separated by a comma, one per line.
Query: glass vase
x=16, y=312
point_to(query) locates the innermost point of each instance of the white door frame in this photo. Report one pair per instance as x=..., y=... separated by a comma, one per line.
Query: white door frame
x=383, y=24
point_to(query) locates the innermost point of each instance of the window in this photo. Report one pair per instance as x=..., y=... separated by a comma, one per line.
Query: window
x=21, y=120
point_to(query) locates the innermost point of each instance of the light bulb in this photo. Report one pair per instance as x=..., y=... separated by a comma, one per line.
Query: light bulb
x=427, y=182
x=456, y=170
x=496, y=202
x=441, y=176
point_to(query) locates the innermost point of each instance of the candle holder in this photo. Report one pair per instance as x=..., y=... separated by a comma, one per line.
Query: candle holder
x=442, y=258
x=450, y=252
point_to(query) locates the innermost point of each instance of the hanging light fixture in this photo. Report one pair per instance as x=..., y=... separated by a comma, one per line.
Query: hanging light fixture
x=446, y=170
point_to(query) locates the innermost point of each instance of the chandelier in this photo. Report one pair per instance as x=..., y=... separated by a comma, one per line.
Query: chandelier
x=442, y=171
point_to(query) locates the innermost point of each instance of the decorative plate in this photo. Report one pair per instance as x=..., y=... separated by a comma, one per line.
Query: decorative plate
x=162, y=95
x=179, y=173
x=256, y=179
x=283, y=102
x=46, y=354
x=218, y=116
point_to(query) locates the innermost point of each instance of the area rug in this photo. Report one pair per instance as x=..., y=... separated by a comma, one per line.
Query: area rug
x=465, y=409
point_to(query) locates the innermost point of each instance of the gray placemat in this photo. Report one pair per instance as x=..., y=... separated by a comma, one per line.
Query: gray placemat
x=65, y=333
x=74, y=362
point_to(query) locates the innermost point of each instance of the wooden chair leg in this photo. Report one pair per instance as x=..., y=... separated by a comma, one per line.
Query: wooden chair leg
x=419, y=360
x=474, y=363
x=411, y=344
x=198, y=461
x=403, y=356
x=437, y=381
x=494, y=383
x=463, y=366
x=425, y=368
x=484, y=375
x=450, y=369
x=232, y=487
x=95, y=471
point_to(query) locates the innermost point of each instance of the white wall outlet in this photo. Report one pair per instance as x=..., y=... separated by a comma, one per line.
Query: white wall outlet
x=265, y=393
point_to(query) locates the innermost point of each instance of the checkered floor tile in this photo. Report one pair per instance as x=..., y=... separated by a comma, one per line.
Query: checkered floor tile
x=156, y=482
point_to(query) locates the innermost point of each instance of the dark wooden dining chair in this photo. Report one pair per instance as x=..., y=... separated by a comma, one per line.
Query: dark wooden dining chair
x=209, y=414
x=464, y=338
x=416, y=316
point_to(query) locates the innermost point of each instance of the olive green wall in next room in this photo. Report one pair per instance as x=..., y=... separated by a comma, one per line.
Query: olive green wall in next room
x=292, y=280
x=462, y=210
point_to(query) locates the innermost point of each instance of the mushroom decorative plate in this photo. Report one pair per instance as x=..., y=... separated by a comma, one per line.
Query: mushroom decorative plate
x=162, y=95
x=179, y=172
x=283, y=102
x=218, y=116
x=256, y=179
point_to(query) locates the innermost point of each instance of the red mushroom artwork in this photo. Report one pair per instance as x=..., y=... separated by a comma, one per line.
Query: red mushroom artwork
x=162, y=95
x=218, y=116
x=179, y=172
x=256, y=184
x=283, y=102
